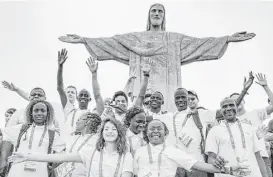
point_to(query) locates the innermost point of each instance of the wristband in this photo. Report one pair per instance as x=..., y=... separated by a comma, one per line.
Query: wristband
x=147, y=75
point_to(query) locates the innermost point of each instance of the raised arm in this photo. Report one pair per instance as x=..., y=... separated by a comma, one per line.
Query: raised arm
x=247, y=85
x=146, y=68
x=263, y=82
x=93, y=67
x=62, y=56
x=54, y=158
x=12, y=87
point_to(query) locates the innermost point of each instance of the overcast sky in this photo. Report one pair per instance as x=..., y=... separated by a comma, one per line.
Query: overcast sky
x=29, y=44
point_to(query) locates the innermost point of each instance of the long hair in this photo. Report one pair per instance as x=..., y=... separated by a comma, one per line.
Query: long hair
x=50, y=112
x=121, y=139
x=145, y=136
x=130, y=114
x=163, y=25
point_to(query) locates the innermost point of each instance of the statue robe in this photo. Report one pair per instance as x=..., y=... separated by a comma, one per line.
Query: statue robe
x=168, y=51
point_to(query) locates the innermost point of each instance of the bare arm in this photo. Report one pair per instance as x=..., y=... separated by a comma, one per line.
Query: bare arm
x=54, y=158
x=261, y=164
x=263, y=82
x=146, y=68
x=12, y=87
x=128, y=83
x=62, y=56
x=247, y=85
x=93, y=67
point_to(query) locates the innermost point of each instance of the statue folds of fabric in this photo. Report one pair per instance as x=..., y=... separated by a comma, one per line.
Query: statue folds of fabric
x=168, y=50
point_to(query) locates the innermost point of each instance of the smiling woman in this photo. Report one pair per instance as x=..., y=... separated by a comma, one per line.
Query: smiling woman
x=109, y=158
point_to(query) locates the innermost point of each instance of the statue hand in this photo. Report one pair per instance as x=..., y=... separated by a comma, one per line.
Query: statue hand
x=62, y=56
x=72, y=38
x=9, y=86
x=241, y=36
x=261, y=79
x=92, y=64
x=249, y=82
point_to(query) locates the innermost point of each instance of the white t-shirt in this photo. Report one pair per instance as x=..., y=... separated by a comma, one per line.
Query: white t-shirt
x=11, y=134
x=255, y=119
x=171, y=159
x=70, y=123
x=134, y=141
x=109, y=162
x=218, y=142
x=79, y=168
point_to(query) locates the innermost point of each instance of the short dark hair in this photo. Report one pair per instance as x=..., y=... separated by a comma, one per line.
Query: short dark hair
x=145, y=136
x=131, y=113
x=38, y=88
x=120, y=93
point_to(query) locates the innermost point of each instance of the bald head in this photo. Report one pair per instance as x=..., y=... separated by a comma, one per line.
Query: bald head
x=181, y=99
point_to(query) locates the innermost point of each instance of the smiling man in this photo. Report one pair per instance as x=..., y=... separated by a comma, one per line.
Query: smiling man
x=84, y=99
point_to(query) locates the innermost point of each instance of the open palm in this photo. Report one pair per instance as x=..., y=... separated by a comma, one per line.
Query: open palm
x=92, y=64
x=261, y=79
x=62, y=56
x=8, y=86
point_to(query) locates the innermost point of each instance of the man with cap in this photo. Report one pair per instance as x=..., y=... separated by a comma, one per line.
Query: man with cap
x=236, y=142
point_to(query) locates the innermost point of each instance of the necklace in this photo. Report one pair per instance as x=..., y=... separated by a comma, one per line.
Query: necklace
x=232, y=138
x=101, y=163
x=159, y=158
x=32, y=134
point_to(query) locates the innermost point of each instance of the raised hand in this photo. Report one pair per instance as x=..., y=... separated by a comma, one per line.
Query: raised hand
x=92, y=64
x=241, y=36
x=261, y=79
x=72, y=38
x=146, y=66
x=17, y=158
x=9, y=86
x=249, y=82
x=62, y=56
x=131, y=78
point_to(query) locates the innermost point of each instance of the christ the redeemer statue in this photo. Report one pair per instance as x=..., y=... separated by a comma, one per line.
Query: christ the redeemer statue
x=168, y=51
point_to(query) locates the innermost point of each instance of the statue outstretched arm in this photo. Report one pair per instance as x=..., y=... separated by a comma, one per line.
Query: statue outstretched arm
x=146, y=68
x=100, y=48
x=12, y=87
x=210, y=48
x=93, y=67
x=62, y=56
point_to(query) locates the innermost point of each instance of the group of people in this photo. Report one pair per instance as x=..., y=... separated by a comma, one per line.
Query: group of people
x=142, y=140
x=132, y=134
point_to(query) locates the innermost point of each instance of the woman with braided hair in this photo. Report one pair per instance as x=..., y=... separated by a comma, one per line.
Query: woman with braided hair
x=33, y=137
x=135, y=121
x=109, y=158
x=85, y=138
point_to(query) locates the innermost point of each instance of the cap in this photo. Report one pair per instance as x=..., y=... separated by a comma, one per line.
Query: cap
x=193, y=93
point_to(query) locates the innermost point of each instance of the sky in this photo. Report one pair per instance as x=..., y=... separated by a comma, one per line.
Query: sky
x=29, y=45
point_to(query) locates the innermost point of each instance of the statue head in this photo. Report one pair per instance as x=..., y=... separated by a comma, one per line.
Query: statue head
x=156, y=17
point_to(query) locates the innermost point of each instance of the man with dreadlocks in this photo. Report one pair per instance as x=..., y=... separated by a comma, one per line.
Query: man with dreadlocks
x=33, y=137
x=169, y=51
x=87, y=125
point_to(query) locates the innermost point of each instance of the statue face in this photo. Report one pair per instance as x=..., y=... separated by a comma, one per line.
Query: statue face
x=157, y=15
